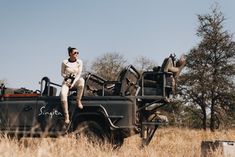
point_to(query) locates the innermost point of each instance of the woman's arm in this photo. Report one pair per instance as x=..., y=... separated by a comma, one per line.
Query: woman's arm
x=79, y=73
x=63, y=70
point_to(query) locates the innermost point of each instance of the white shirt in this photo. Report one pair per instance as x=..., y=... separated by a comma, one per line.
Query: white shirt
x=71, y=68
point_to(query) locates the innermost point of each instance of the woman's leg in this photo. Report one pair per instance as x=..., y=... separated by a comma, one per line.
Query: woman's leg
x=64, y=102
x=80, y=86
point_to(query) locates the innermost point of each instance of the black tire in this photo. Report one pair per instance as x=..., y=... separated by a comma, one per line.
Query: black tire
x=94, y=132
x=117, y=142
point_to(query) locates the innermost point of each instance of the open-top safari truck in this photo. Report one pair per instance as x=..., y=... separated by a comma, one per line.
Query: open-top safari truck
x=113, y=110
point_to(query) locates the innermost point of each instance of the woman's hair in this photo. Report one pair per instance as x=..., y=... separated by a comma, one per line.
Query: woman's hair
x=70, y=49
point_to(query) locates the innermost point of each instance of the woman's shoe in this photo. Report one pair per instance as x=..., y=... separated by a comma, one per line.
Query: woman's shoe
x=79, y=104
x=66, y=119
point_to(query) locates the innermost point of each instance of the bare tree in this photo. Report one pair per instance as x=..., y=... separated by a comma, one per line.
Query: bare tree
x=3, y=81
x=108, y=65
x=143, y=63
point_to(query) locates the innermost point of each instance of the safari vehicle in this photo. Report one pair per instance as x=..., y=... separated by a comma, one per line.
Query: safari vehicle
x=113, y=110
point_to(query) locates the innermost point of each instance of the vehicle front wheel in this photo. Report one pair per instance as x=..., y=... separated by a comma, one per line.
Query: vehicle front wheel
x=91, y=130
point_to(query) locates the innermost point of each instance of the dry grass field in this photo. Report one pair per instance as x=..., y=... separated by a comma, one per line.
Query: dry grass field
x=167, y=142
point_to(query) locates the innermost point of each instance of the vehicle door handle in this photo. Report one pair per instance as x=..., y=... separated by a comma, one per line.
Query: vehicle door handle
x=27, y=108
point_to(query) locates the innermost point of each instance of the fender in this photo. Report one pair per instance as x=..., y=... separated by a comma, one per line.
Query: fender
x=96, y=113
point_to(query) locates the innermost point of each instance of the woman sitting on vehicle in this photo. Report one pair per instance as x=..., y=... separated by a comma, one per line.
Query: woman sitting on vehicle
x=71, y=70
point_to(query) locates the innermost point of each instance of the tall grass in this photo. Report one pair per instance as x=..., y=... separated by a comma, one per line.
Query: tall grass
x=167, y=142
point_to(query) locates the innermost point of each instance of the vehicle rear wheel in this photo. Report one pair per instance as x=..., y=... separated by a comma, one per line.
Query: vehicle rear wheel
x=91, y=130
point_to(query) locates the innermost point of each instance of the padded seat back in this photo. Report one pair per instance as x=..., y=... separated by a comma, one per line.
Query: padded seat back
x=94, y=85
x=127, y=82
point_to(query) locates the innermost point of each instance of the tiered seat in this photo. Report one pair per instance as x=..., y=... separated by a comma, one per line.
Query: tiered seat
x=126, y=84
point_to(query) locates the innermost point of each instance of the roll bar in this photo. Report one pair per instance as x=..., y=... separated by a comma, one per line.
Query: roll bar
x=48, y=83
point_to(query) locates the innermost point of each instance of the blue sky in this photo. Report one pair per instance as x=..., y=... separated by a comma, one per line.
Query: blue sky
x=34, y=35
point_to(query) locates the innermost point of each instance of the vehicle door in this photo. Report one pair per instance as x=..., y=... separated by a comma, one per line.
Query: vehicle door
x=50, y=114
x=22, y=113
